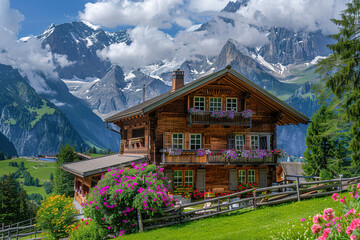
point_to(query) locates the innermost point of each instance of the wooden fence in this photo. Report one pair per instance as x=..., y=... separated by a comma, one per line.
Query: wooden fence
x=251, y=198
x=24, y=228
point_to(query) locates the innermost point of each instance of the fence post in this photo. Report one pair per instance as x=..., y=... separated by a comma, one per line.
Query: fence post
x=254, y=195
x=298, y=188
x=2, y=233
x=180, y=212
x=17, y=231
x=218, y=208
x=341, y=182
x=141, y=227
x=35, y=230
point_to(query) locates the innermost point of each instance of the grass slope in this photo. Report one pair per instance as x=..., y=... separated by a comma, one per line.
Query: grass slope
x=34, y=168
x=261, y=223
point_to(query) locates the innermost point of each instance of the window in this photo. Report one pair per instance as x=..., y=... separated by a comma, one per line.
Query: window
x=242, y=176
x=251, y=176
x=254, y=143
x=195, y=141
x=139, y=132
x=178, y=140
x=215, y=104
x=178, y=177
x=265, y=142
x=188, y=177
x=199, y=103
x=239, y=142
x=231, y=104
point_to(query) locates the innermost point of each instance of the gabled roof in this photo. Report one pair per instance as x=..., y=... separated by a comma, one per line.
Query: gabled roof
x=293, y=116
x=85, y=168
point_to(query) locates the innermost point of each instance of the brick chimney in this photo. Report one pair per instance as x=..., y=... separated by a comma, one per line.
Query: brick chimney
x=178, y=79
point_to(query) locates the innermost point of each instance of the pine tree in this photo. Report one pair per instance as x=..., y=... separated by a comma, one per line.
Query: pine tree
x=51, y=177
x=344, y=78
x=108, y=151
x=2, y=156
x=37, y=182
x=326, y=148
x=64, y=181
x=9, y=203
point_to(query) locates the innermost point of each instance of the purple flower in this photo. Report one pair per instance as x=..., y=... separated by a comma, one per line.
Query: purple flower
x=302, y=220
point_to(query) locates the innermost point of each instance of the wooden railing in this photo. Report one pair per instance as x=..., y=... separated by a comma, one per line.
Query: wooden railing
x=190, y=157
x=206, y=119
x=217, y=157
x=25, y=228
x=259, y=197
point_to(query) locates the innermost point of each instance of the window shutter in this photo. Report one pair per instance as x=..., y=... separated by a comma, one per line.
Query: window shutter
x=170, y=177
x=262, y=177
x=230, y=141
x=233, y=179
x=167, y=140
x=200, y=180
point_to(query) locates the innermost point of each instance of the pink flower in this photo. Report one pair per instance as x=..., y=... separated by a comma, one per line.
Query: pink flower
x=302, y=220
x=316, y=229
x=317, y=218
x=355, y=224
x=358, y=186
x=348, y=230
x=343, y=200
x=338, y=227
x=109, y=227
x=124, y=221
x=353, y=237
x=335, y=197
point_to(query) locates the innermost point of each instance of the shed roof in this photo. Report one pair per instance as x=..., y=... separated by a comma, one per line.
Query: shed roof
x=292, y=116
x=97, y=165
x=292, y=168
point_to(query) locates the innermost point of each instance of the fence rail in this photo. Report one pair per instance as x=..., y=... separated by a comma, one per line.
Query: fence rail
x=260, y=197
x=24, y=228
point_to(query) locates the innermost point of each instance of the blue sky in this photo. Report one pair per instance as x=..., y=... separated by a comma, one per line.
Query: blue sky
x=39, y=14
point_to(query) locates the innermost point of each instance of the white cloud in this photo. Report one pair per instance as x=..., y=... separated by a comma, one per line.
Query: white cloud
x=26, y=55
x=295, y=14
x=148, y=45
x=207, y=5
x=112, y=13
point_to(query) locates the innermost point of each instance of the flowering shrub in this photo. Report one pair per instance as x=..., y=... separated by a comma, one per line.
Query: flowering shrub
x=114, y=202
x=54, y=216
x=197, y=194
x=195, y=111
x=185, y=191
x=221, y=114
x=245, y=186
x=247, y=113
x=174, y=151
x=87, y=229
x=229, y=154
x=327, y=225
x=201, y=152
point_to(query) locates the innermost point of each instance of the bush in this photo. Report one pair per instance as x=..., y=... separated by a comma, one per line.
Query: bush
x=54, y=216
x=87, y=229
x=113, y=204
x=48, y=187
x=36, y=197
x=246, y=186
x=326, y=174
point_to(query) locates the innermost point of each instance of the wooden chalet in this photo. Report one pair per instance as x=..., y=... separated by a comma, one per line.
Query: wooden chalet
x=156, y=126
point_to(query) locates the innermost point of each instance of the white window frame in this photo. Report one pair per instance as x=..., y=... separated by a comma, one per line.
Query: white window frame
x=239, y=142
x=251, y=177
x=253, y=143
x=198, y=103
x=176, y=177
x=187, y=178
x=176, y=145
x=243, y=177
x=195, y=134
x=211, y=107
x=232, y=108
x=267, y=141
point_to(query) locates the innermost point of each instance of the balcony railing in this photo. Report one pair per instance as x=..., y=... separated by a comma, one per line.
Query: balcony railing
x=218, y=158
x=205, y=118
x=190, y=157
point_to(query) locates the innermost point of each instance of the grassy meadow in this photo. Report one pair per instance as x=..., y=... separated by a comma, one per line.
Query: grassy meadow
x=37, y=169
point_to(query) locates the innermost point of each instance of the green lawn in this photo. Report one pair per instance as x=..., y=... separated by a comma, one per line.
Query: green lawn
x=33, y=167
x=261, y=223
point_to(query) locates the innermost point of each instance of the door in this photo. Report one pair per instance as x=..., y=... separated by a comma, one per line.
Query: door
x=169, y=176
x=262, y=177
x=200, y=180
x=233, y=181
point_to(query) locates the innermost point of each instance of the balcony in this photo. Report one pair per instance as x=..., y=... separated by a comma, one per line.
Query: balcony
x=190, y=157
x=206, y=119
